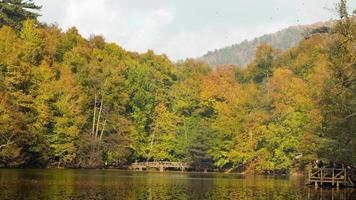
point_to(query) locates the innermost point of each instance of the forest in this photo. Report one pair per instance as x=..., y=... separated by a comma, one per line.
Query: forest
x=243, y=53
x=75, y=102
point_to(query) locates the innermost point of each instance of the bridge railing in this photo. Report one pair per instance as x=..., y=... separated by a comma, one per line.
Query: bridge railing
x=328, y=175
x=160, y=163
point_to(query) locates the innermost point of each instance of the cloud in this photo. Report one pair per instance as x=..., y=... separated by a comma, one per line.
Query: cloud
x=92, y=16
x=150, y=33
x=137, y=28
x=161, y=16
x=182, y=28
x=196, y=43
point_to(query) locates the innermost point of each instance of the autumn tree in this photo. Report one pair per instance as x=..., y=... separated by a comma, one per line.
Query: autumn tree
x=290, y=118
x=261, y=67
x=339, y=91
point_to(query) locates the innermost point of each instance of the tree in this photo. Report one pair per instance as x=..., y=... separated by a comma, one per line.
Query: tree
x=200, y=145
x=164, y=135
x=18, y=80
x=261, y=67
x=149, y=81
x=289, y=110
x=339, y=98
x=185, y=102
x=222, y=100
x=10, y=124
x=67, y=118
x=33, y=42
x=14, y=12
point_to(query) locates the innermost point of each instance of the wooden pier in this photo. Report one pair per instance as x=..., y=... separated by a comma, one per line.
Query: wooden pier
x=159, y=165
x=331, y=177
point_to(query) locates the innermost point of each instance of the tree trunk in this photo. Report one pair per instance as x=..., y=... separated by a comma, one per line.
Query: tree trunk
x=93, y=128
x=151, y=146
x=102, y=130
x=251, y=136
x=99, y=115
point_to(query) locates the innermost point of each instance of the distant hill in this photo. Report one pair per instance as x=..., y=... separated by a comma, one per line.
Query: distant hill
x=242, y=53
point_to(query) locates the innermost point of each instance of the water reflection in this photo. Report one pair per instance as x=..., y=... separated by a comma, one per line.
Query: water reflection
x=331, y=194
x=113, y=184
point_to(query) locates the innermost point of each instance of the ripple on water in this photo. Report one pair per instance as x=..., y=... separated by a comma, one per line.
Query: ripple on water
x=113, y=184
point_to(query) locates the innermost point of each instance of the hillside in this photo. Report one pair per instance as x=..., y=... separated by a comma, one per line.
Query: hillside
x=242, y=53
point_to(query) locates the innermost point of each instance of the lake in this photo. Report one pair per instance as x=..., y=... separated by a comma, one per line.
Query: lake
x=115, y=184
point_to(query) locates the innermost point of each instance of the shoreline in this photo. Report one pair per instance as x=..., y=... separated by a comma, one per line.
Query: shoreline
x=166, y=171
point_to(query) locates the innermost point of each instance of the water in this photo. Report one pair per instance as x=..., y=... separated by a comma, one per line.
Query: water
x=78, y=184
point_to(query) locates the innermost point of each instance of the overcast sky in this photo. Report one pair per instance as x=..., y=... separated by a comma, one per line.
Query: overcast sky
x=183, y=28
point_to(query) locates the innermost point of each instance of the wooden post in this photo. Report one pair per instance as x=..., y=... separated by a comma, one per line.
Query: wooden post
x=345, y=177
x=332, y=181
x=161, y=169
x=321, y=176
x=332, y=194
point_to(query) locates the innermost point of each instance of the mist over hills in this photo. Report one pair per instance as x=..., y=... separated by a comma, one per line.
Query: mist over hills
x=242, y=53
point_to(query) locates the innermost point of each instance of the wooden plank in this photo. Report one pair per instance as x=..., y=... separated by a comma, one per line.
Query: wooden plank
x=335, y=177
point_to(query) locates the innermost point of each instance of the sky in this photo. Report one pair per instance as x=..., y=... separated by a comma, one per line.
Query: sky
x=183, y=28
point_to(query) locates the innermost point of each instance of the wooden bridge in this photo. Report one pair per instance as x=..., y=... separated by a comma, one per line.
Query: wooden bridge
x=331, y=177
x=160, y=165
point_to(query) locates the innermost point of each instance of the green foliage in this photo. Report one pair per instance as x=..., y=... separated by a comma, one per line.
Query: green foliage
x=338, y=99
x=200, y=144
x=164, y=134
x=288, y=121
x=33, y=42
x=261, y=67
x=14, y=12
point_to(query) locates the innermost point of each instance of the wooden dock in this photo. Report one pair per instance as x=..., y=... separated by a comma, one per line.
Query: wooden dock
x=331, y=177
x=159, y=165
